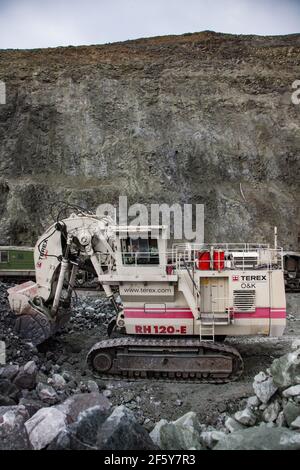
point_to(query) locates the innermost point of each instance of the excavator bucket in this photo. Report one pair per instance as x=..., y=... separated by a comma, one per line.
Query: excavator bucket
x=31, y=324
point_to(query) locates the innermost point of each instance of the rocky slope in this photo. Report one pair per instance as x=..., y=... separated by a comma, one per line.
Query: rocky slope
x=200, y=118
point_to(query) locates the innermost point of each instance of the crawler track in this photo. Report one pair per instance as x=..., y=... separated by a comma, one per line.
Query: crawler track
x=165, y=359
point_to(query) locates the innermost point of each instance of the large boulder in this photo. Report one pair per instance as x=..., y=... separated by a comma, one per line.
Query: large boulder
x=182, y=434
x=13, y=435
x=120, y=431
x=291, y=411
x=81, y=435
x=260, y=438
x=44, y=426
x=264, y=387
x=293, y=391
x=286, y=369
x=97, y=429
x=296, y=424
x=80, y=402
x=48, y=426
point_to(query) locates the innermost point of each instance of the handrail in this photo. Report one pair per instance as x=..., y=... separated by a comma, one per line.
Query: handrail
x=261, y=258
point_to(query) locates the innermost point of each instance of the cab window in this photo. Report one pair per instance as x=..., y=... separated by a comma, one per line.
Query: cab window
x=140, y=251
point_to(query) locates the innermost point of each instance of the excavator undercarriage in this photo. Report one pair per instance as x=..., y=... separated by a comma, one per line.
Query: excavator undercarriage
x=164, y=358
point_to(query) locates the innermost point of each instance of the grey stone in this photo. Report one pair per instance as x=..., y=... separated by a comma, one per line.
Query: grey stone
x=232, y=425
x=26, y=377
x=90, y=310
x=271, y=412
x=291, y=391
x=6, y=401
x=291, y=412
x=245, y=417
x=47, y=393
x=263, y=406
x=57, y=381
x=211, y=438
x=296, y=423
x=295, y=345
x=120, y=431
x=92, y=386
x=95, y=428
x=157, y=435
x=260, y=438
x=44, y=426
x=280, y=421
x=182, y=434
x=31, y=405
x=286, y=370
x=81, y=434
x=78, y=403
x=67, y=376
x=9, y=371
x=13, y=435
x=9, y=389
x=253, y=402
x=264, y=388
x=260, y=377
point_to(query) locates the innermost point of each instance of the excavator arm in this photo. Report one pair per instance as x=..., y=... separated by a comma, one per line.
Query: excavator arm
x=43, y=307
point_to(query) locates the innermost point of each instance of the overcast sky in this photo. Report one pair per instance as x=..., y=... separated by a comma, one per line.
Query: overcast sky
x=49, y=23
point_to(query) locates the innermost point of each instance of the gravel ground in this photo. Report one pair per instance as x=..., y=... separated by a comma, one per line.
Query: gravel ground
x=150, y=400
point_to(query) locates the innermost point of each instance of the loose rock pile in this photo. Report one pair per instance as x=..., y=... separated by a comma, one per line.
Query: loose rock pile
x=49, y=401
x=270, y=419
x=84, y=421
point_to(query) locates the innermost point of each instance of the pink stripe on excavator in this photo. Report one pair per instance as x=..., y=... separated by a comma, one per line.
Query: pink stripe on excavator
x=137, y=312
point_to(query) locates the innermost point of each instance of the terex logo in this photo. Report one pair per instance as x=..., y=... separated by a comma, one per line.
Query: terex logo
x=235, y=278
x=262, y=277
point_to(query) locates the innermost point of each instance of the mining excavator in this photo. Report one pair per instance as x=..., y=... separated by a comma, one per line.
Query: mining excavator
x=173, y=305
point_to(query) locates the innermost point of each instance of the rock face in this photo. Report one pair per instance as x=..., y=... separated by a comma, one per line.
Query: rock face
x=202, y=118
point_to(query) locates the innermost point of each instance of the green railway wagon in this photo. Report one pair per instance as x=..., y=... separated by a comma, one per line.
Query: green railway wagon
x=16, y=262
